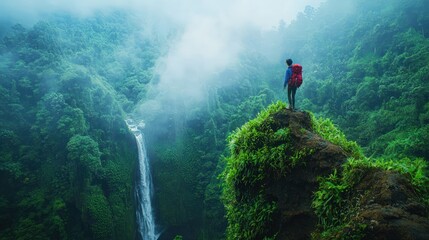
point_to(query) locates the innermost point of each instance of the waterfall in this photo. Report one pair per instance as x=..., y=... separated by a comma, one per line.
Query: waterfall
x=143, y=189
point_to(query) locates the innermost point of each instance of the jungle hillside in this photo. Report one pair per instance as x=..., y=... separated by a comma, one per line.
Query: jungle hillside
x=194, y=74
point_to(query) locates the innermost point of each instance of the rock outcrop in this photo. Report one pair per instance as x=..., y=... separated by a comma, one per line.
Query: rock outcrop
x=389, y=207
x=277, y=164
x=293, y=191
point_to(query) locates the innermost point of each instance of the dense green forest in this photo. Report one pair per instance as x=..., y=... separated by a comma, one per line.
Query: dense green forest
x=67, y=159
x=373, y=75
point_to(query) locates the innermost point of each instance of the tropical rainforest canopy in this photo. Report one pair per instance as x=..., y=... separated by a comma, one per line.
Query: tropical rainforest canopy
x=67, y=83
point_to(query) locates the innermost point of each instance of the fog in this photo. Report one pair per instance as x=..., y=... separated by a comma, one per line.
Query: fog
x=211, y=38
x=236, y=12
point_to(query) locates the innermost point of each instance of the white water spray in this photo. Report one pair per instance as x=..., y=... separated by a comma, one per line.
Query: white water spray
x=143, y=189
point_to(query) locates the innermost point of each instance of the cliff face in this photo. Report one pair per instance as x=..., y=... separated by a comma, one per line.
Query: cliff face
x=289, y=177
x=388, y=206
x=293, y=191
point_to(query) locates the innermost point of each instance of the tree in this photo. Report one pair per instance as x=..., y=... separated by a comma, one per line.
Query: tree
x=84, y=151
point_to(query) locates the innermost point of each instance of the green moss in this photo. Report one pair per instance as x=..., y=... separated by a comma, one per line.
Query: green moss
x=249, y=220
x=414, y=168
x=257, y=131
x=259, y=153
x=326, y=129
x=335, y=210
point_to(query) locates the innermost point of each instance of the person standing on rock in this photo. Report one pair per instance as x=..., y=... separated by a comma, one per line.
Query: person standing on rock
x=293, y=80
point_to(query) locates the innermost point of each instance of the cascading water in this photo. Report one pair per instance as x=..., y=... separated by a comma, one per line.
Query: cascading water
x=143, y=189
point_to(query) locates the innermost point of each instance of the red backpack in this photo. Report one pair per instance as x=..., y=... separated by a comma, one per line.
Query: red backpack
x=296, y=79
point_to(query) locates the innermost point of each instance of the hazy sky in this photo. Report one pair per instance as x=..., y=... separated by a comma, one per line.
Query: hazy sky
x=213, y=36
x=264, y=13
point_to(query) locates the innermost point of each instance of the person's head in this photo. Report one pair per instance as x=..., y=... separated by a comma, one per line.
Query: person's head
x=289, y=61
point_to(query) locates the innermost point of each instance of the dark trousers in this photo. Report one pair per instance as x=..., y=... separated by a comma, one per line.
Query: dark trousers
x=291, y=91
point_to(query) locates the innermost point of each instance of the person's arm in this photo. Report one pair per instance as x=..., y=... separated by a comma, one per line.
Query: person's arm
x=287, y=77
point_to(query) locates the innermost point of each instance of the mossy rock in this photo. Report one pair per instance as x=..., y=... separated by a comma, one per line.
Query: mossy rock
x=291, y=175
x=376, y=199
x=272, y=174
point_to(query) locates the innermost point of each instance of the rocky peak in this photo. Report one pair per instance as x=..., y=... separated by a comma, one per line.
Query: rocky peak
x=277, y=185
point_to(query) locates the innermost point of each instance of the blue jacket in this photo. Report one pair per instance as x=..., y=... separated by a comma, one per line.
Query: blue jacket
x=288, y=74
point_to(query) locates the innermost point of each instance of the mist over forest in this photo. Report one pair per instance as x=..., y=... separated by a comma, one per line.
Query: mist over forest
x=192, y=73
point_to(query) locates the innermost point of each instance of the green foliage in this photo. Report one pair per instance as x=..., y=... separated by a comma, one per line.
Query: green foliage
x=63, y=135
x=416, y=169
x=84, y=150
x=255, y=148
x=259, y=150
x=97, y=213
x=185, y=151
x=326, y=129
x=328, y=200
x=29, y=229
x=335, y=209
x=67, y=77
x=180, y=168
x=72, y=122
x=373, y=77
x=252, y=135
x=249, y=220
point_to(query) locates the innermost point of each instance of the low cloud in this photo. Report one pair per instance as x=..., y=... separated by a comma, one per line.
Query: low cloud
x=211, y=38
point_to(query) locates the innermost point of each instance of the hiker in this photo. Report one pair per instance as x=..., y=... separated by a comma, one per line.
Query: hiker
x=293, y=80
